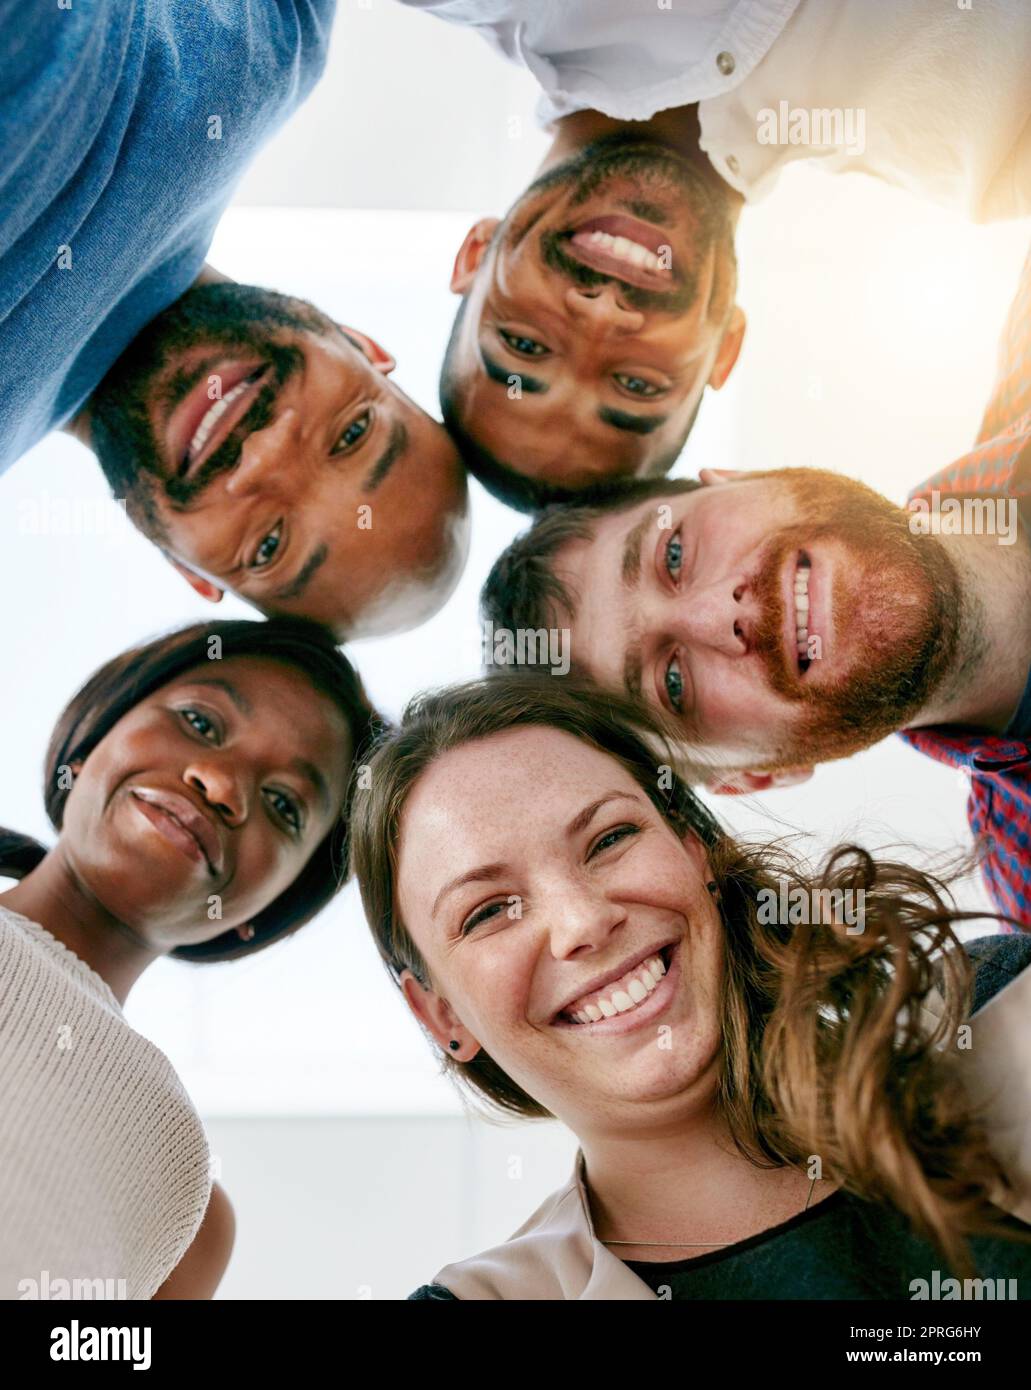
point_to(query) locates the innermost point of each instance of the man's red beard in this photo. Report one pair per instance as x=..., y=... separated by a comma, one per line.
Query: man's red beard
x=898, y=597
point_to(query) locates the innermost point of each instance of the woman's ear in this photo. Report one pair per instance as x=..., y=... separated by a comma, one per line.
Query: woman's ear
x=697, y=853
x=471, y=253
x=437, y=1017
x=379, y=358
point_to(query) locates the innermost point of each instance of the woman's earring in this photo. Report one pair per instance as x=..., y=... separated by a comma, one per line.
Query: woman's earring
x=713, y=888
x=454, y=1044
x=246, y=932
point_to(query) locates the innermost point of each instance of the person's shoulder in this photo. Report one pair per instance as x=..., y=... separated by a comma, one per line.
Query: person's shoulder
x=997, y=961
x=199, y=1272
x=554, y=1238
x=432, y=1292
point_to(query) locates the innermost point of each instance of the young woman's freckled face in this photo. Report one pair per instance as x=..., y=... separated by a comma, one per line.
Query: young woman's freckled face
x=238, y=760
x=569, y=904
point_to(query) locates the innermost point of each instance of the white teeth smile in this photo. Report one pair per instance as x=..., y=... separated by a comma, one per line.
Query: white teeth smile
x=213, y=415
x=621, y=996
x=802, y=610
x=625, y=250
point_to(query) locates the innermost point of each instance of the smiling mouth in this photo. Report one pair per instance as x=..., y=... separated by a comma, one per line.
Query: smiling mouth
x=803, y=619
x=179, y=823
x=625, y=248
x=218, y=420
x=621, y=997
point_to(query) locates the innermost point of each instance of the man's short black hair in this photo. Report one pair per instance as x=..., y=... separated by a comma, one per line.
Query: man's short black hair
x=522, y=590
x=503, y=480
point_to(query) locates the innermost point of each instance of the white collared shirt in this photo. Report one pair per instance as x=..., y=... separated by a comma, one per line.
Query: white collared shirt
x=921, y=93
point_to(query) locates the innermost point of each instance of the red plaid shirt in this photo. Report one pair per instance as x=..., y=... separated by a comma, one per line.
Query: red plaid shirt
x=999, y=766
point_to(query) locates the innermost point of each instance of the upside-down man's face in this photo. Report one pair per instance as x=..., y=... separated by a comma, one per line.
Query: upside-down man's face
x=595, y=315
x=267, y=452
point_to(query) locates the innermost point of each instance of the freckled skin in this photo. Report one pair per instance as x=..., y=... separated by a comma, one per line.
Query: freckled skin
x=587, y=904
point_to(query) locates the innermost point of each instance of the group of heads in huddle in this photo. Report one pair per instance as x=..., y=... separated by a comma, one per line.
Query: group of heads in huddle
x=537, y=874
x=521, y=843
x=264, y=448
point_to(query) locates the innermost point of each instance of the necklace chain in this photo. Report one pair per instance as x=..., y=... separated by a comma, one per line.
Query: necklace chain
x=698, y=1244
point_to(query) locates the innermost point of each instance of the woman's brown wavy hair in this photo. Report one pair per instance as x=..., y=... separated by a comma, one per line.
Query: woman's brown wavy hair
x=827, y=1050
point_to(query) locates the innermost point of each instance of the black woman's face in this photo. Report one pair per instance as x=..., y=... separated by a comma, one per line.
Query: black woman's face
x=204, y=803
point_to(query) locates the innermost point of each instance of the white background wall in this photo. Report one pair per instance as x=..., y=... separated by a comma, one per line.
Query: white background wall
x=871, y=347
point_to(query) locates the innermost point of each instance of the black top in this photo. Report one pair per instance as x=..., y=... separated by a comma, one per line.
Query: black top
x=844, y=1247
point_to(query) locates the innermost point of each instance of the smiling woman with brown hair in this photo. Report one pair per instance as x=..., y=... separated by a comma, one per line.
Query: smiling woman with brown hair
x=766, y=1106
x=200, y=788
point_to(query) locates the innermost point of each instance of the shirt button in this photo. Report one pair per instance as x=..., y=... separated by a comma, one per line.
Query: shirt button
x=732, y=163
x=725, y=63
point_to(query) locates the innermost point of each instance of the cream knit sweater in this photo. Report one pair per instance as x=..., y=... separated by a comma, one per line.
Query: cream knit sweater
x=104, y=1164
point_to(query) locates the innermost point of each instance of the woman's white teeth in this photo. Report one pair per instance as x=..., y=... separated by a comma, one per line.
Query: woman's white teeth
x=623, y=994
x=625, y=250
x=802, y=608
x=212, y=417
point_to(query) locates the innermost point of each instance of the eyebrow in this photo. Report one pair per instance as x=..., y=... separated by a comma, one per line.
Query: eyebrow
x=630, y=568
x=632, y=666
x=478, y=875
x=630, y=574
x=531, y=384
x=635, y=424
x=396, y=445
x=583, y=818
x=242, y=704
x=296, y=586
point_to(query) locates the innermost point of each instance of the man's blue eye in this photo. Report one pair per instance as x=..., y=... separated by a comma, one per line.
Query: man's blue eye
x=675, y=686
x=674, y=556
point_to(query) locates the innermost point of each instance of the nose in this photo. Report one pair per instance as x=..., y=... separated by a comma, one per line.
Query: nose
x=581, y=918
x=263, y=456
x=599, y=310
x=720, y=616
x=220, y=787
